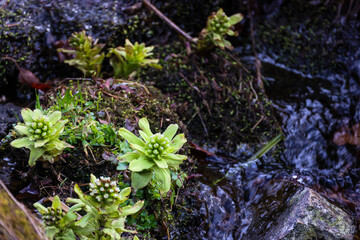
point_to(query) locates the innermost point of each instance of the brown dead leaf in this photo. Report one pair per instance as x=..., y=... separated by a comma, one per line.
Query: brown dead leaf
x=348, y=135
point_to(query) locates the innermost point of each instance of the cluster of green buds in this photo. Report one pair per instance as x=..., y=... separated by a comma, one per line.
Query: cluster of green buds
x=153, y=155
x=40, y=128
x=130, y=58
x=52, y=216
x=158, y=146
x=41, y=134
x=103, y=190
x=79, y=39
x=87, y=53
x=58, y=222
x=218, y=26
x=219, y=22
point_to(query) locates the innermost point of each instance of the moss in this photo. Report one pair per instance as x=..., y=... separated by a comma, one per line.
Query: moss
x=305, y=37
x=214, y=98
x=15, y=223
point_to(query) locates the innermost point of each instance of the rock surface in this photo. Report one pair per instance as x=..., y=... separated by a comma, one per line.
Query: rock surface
x=16, y=223
x=9, y=114
x=304, y=214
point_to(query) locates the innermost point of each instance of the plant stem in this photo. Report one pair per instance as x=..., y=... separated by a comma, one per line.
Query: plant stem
x=168, y=21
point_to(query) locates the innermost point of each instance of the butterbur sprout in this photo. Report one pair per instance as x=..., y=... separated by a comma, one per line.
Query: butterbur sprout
x=154, y=154
x=41, y=135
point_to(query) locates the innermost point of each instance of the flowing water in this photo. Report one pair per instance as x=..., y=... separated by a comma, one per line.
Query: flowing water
x=311, y=109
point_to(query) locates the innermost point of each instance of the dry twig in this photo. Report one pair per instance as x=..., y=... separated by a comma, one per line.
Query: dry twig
x=168, y=21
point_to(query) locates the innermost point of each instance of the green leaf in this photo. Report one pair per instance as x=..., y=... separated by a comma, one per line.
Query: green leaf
x=228, y=45
x=234, y=19
x=230, y=32
x=139, y=148
x=91, y=227
x=36, y=114
x=129, y=156
x=140, y=164
x=22, y=142
x=80, y=194
x=128, y=47
x=41, y=143
x=220, y=44
x=122, y=166
x=171, y=131
x=67, y=234
x=54, y=117
x=144, y=125
x=69, y=217
x=174, y=160
x=111, y=232
x=130, y=137
x=119, y=223
x=162, y=175
x=56, y=143
x=35, y=154
x=124, y=193
x=51, y=231
x=58, y=127
x=22, y=129
x=144, y=136
x=178, y=142
x=40, y=207
x=92, y=179
x=84, y=220
x=129, y=210
x=27, y=115
x=216, y=37
x=56, y=203
x=161, y=163
x=154, y=65
x=140, y=179
x=78, y=204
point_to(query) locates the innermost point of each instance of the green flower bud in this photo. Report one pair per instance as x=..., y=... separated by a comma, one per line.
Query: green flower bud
x=103, y=189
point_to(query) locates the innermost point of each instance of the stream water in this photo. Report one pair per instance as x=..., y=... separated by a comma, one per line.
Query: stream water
x=310, y=109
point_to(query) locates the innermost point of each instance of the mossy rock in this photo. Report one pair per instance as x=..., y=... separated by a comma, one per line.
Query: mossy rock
x=287, y=211
x=308, y=37
x=215, y=97
x=16, y=223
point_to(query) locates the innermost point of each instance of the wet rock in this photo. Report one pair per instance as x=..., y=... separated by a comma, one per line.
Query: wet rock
x=355, y=71
x=9, y=114
x=287, y=211
x=29, y=30
x=16, y=223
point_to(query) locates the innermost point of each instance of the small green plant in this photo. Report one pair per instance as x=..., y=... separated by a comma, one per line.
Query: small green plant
x=41, y=135
x=59, y=224
x=105, y=219
x=91, y=133
x=127, y=60
x=153, y=156
x=105, y=214
x=218, y=26
x=88, y=56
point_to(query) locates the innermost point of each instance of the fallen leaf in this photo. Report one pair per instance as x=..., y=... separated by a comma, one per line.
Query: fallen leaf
x=348, y=135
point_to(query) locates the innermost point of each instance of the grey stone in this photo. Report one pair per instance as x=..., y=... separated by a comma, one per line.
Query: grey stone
x=9, y=114
x=311, y=216
x=287, y=211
